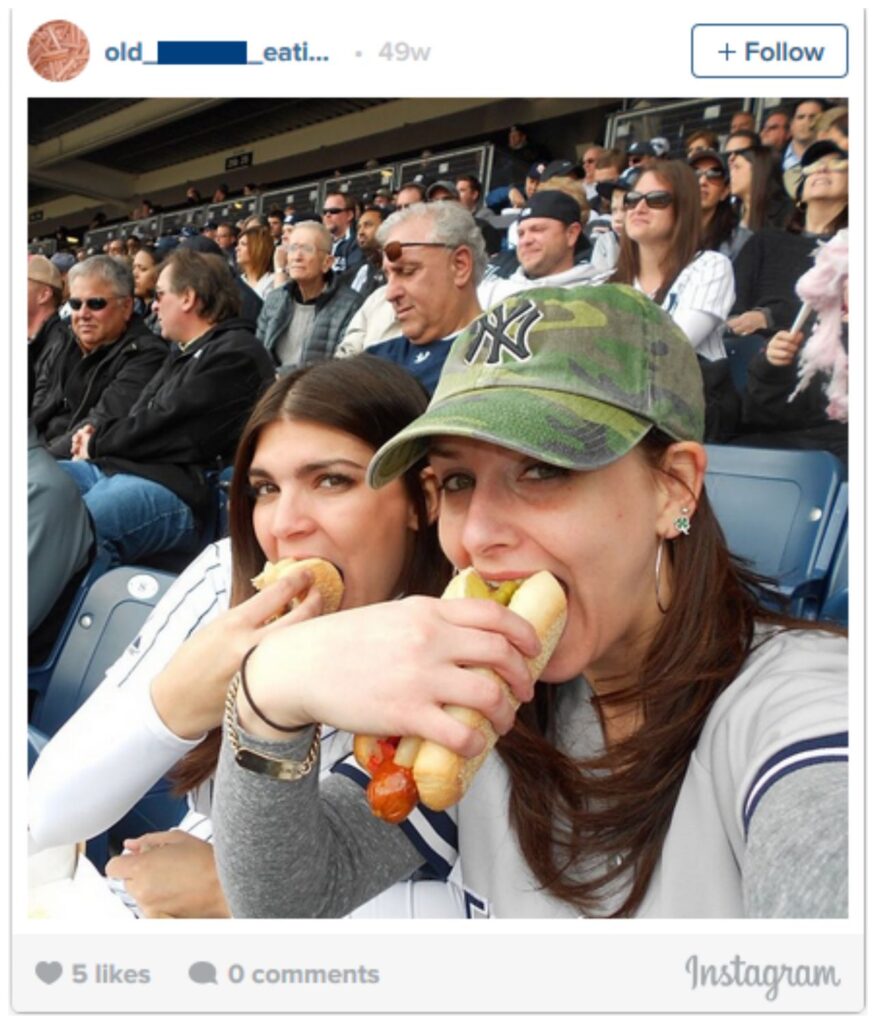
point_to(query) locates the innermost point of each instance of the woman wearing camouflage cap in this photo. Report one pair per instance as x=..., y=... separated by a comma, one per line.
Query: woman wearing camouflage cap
x=682, y=739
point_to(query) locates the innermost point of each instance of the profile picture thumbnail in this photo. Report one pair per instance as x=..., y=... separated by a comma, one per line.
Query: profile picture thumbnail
x=58, y=50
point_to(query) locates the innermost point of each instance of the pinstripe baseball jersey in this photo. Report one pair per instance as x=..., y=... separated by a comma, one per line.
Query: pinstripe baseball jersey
x=706, y=285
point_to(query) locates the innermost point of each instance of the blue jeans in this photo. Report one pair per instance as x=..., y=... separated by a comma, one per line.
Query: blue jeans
x=134, y=517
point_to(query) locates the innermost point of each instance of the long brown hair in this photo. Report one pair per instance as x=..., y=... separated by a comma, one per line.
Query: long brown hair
x=260, y=248
x=615, y=809
x=768, y=203
x=369, y=398
x=684, y=242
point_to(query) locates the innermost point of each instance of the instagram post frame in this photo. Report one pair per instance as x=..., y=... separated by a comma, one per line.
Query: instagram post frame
x=343, y=355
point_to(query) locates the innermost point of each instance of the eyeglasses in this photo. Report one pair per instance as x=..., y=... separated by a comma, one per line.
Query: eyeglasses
x=745, y=152
x=710, y=174
x=95, y=304
x=393, y=250
x=304, y=247
x=659, y=199
x=332, y=210
x=825, y=165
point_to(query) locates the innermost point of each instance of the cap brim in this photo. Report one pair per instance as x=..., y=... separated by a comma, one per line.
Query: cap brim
x=555, y=427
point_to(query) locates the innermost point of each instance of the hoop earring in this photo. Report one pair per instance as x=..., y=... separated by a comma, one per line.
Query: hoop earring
x=658, y=563
x=682, y=521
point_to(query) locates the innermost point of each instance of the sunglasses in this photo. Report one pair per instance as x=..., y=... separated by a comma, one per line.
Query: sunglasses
x=393, y=250
x=659, y=199
x=745, y=152
x=95, y=304
x=710, y=174
x=333, y=210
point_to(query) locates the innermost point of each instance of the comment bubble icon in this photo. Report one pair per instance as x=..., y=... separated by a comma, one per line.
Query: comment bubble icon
x=202, y=972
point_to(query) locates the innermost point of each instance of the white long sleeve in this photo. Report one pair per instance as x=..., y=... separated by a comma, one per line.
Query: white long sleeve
x=99, y=764
x=699, y=300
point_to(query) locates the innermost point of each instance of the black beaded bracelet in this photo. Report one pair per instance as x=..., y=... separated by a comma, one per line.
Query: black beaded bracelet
x=255, y=708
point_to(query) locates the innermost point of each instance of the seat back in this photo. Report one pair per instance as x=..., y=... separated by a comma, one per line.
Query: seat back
x=835, y=606
x=776, y=510
x=107, y=620
x=38, y=675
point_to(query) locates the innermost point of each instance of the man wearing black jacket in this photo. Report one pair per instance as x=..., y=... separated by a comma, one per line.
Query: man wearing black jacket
x=143, y=474
x=100, y=370
x=47, y=334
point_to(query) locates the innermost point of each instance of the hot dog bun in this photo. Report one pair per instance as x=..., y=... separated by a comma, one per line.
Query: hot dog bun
x=326, y=579
x=441, y=776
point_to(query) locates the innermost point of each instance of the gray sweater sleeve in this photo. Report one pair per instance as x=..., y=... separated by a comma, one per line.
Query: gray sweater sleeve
x=796, y=859
x=309, y=848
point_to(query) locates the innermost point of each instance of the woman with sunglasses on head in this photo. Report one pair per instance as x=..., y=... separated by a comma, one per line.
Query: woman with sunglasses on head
x=661, y=254
x=722, y=231
x=756, y=183
x=772, y=261
x=682, y=754
x=299, y=491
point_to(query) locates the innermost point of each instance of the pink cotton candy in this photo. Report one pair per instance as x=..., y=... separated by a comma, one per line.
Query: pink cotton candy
x=823, y=288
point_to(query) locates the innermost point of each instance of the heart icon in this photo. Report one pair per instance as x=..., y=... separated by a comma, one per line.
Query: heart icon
x=49, y=971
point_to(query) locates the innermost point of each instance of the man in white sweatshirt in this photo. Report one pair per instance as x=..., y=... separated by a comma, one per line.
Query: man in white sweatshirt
x=547, y=234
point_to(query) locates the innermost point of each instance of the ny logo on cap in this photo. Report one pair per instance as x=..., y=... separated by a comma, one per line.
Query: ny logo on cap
x=494, y=326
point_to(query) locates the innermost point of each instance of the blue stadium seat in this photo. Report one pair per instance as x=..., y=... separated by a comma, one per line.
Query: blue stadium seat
x=39, y=675
x=835, y=606
x=782, y=512
x=106, y=620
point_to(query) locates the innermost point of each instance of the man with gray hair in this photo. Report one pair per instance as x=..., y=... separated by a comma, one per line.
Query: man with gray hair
x=305, y=315
x=112, y=355
x=433, y=258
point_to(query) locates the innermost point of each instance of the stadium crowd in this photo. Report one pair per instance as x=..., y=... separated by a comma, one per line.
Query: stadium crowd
x=153, y=362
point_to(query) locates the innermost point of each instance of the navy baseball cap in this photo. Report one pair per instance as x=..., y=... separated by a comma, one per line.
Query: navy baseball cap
x=562, y=169
x=553, y=204
x=641, y=149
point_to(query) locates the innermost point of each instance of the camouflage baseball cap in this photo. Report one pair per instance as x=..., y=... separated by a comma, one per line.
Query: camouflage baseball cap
x=572, y=376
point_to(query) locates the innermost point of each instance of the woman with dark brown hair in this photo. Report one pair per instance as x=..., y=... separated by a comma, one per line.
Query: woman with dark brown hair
x=756, y=184
x=298, y=490
x=683, y=752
